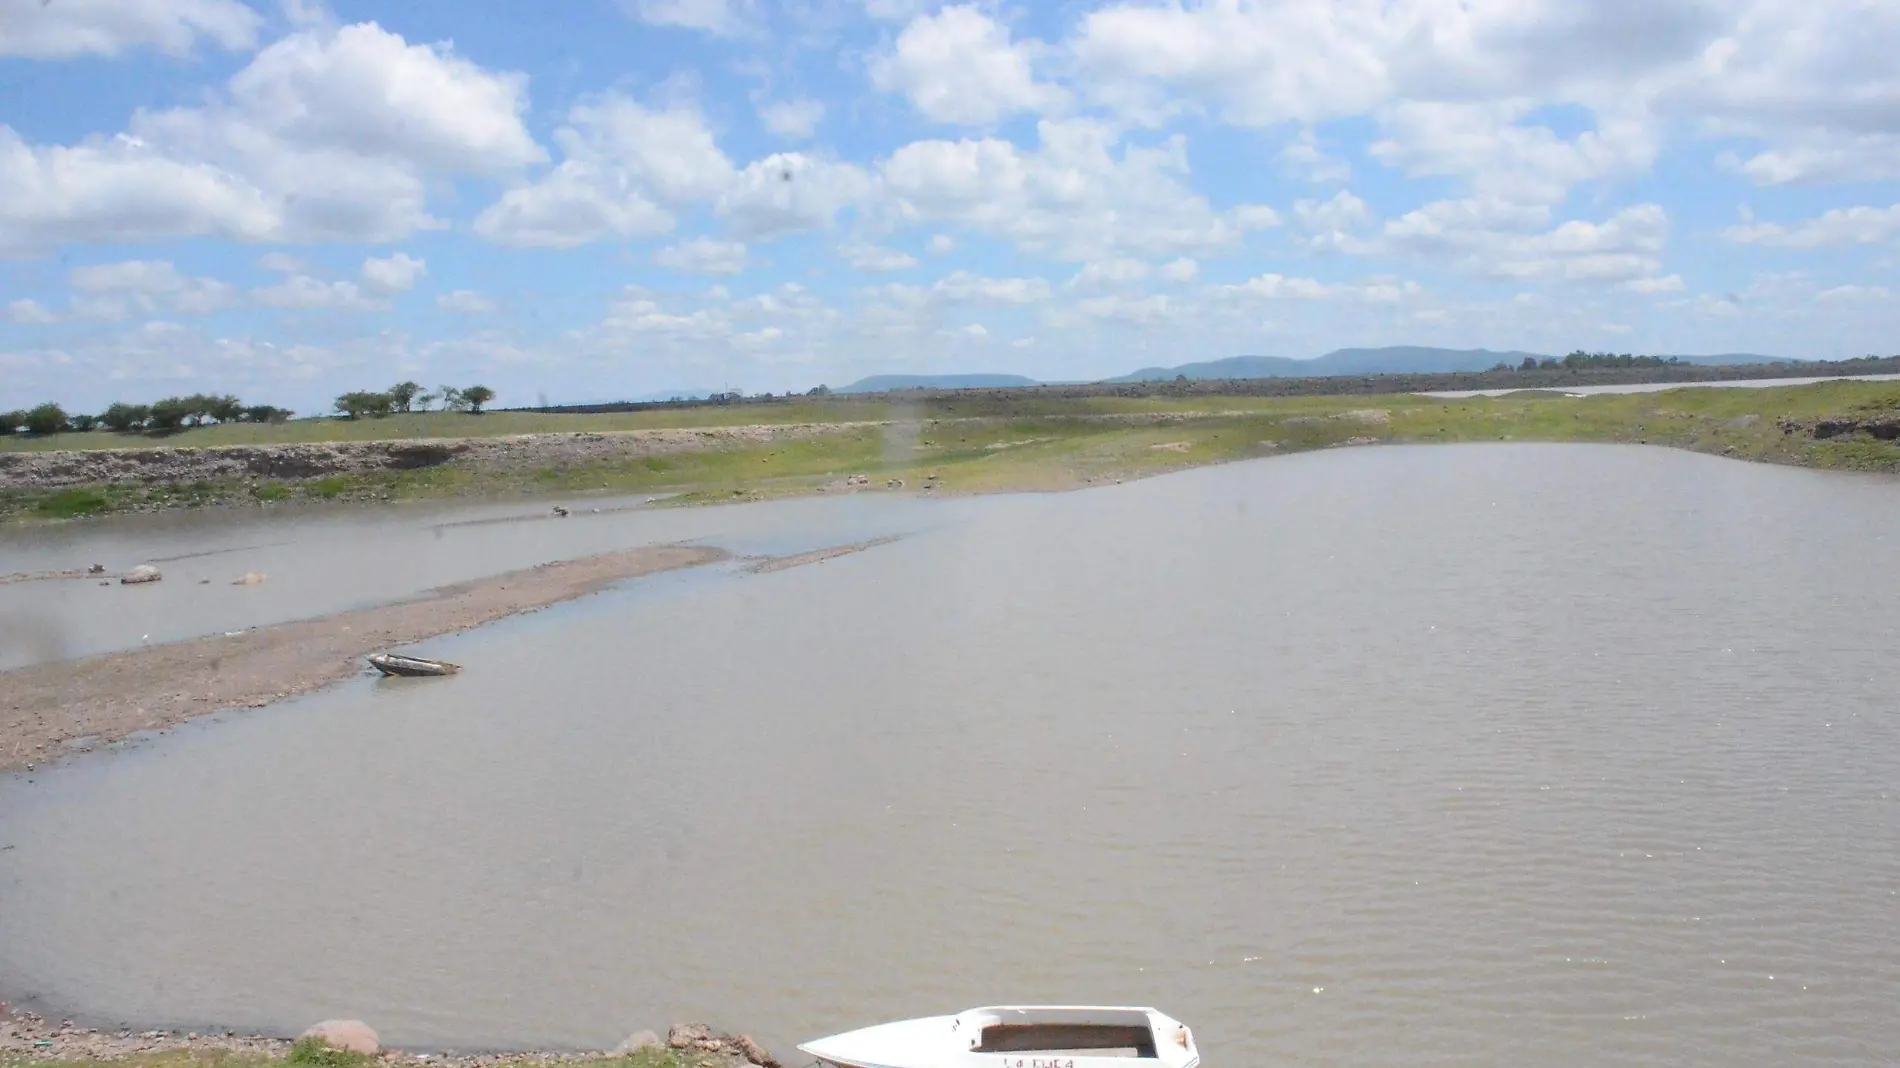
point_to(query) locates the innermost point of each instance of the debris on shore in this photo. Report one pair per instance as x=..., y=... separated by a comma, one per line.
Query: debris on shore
x=140, y=574
x=29, y=1036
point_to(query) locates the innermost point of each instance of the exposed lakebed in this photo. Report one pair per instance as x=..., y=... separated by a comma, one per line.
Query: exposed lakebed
x=1490, y=754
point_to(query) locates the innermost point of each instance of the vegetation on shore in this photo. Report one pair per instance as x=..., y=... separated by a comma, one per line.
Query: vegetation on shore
x=312, y=1054
x=987, y=441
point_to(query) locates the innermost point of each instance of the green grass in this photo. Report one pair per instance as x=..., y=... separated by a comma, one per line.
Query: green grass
x=1004, y=442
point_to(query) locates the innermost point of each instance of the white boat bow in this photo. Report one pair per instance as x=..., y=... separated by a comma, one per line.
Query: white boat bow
x=1017, y=1036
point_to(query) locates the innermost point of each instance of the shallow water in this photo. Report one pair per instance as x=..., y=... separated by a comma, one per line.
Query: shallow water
x=331, y=560
x=1452, y=755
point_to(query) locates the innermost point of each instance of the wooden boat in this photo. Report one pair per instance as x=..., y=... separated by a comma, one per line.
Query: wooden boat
x=1016, y=1036
x=398, y=664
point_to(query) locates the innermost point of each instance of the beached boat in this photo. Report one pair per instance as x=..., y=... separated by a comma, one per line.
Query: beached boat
x=1016, y=1036
x=398, y=664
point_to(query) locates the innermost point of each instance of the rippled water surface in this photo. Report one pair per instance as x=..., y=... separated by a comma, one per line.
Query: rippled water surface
x=1488, y=755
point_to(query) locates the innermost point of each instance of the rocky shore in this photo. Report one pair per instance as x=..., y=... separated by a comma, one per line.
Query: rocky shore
x=27, y=1037
x=168, y=466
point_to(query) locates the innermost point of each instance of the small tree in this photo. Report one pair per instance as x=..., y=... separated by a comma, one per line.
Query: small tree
x=1529, y=364
x=403, y=394
x=125, y=418
x=169, y=413
x=47, y=419
x=476, y=396
x=452, y=399
x=11, y=422
x=820, y=390
x=264, y=413
x=82, y=424
x=363, y=402
x=226, y=409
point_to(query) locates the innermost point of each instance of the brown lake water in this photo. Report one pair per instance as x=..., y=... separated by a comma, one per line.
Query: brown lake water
x=1449, y=755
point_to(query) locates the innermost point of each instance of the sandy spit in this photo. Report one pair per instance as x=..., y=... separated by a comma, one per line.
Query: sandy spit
x=113, y=695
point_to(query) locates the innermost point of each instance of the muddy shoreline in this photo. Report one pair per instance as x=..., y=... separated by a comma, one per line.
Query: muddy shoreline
x=46, y=707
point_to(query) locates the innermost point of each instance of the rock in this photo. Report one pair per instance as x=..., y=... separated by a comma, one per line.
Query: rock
x=354, y=1036
x=141, y=573
x=636, y=1042
x=560, y=512
x=250, y=578
x=691, y=1036
x=96, y=569
x=755, y=1052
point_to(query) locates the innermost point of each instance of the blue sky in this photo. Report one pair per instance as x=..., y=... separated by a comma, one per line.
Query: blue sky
x=288, y=200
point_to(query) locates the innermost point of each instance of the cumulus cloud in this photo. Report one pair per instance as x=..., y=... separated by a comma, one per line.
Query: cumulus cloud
x=723, y=18
x=28, y=312
x=794, y=120
x=394, y=274
x=703, y=255
x=40, y=29
x=875, y=258
x=464, y=302
x=326, y=135
x=115, y=291
x=960, y=66
x=1840, y=226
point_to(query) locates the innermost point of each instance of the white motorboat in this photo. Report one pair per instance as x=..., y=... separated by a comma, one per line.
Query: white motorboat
x=1016, y=1036
x=410, y=666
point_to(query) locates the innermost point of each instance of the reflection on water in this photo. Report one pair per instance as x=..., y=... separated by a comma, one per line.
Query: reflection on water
x=1452, y=755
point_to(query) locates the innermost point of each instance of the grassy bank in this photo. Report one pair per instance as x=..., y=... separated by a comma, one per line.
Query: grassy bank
x=999, y=441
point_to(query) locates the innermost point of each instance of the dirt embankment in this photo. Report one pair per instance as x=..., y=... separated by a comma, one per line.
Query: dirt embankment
x=156, y=466
x=114, y=695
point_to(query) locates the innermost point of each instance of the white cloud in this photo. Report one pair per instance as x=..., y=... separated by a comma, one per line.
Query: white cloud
x=960, y=66
x=975, y=332
x=1650, y=286
x=941, y=244
x=1304, y=159
x=1256, y=217
x=464, y=302
x=116, y=291
x=1854, y=294
x=395, y=274
x=627, y=169
x=280, y=262
x=325, y=136
x=1080, y=195
x=65, y=29
x=1181, y=270
x=703, y=255
x=724, y=18
x=975, y=288
x=1841, y=226
x=29, y=313
x=1333, y=224
x=1279, y=287
x=876, y=258
x=794, y=120
x=300, y=292
x=790, y=193
x=1148, y=310
x=1109, y=273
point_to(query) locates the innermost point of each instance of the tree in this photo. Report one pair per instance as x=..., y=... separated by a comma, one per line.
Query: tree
x=363, y=402
x=169, y=413
x=264, y=413
x=48, y=418
x=403, y=394
x=125, y=418
x=226, y=409
x=82, y=424
x=11, y=422
x=452, y=400
x=423, y=401
x=476, y=396
x=820, y=390
x=1529, y=364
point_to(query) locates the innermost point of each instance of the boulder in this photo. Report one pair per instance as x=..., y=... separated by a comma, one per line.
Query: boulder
x=691, y=1036
x=755, y=1052
x=636, y=1042
x=353, y=1036
x=141, y=573
x=249, y=578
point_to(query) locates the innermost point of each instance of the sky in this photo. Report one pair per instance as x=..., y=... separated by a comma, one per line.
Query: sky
x=603, y=199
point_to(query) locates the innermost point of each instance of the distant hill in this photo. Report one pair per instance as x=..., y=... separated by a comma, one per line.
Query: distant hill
x=884, y=383
x=1406, y=359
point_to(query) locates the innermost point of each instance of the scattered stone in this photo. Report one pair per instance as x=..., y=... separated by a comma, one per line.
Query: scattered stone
x=895, y=483
x=250, y=578
x=755, y=1053
x=636, y=1042
x=96, y=569
x=141, y=573
x=353, y=1036
x=560, y=512
x=690, y=1036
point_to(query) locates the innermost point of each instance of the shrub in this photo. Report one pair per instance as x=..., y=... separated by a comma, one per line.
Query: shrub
x=46, y=419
